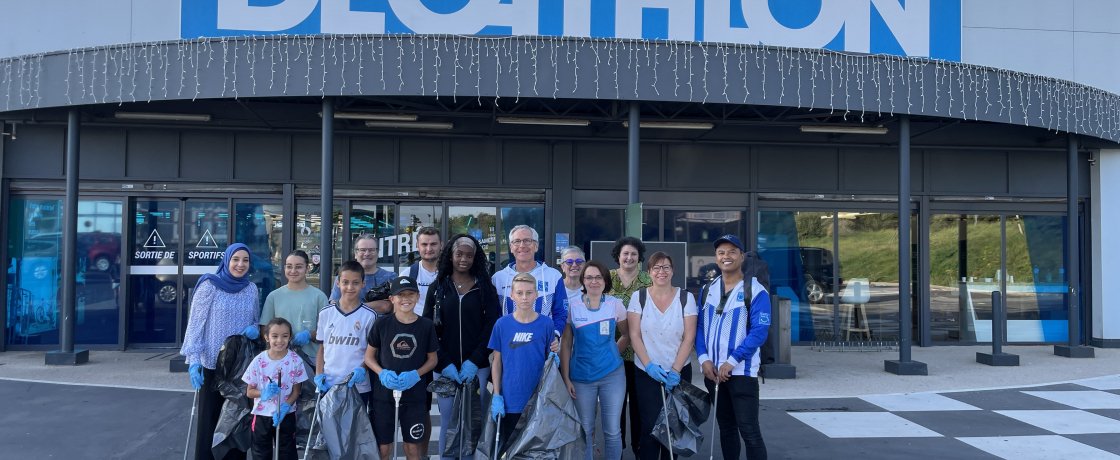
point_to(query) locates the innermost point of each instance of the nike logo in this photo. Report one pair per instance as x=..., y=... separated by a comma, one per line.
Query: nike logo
x=519, y=339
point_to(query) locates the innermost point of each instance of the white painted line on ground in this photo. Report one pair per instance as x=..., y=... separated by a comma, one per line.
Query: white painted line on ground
x=100, y=385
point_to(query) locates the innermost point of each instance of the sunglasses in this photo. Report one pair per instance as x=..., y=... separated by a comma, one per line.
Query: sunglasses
x=574, y=261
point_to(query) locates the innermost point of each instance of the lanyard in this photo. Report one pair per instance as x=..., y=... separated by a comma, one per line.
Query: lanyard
x=723, y=296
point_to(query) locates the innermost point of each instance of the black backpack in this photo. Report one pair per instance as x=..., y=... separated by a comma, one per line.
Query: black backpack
x=642, y=298
x=753, y=267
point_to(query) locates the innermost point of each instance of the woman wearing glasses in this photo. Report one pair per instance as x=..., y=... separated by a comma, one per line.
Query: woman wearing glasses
x=571, y=264
x=662, y=331
x=591, y=358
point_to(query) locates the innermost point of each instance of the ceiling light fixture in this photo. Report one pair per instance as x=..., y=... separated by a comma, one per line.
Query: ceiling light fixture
x=844, y=129
x=201, y=117
x=543, y=121
x=700, y=125
x=410, y=124
x=375, y=116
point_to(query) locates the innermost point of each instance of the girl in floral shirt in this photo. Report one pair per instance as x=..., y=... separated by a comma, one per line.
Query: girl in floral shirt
x=274, y=376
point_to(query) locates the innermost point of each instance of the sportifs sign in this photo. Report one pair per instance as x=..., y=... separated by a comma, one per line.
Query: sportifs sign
x=927, y=28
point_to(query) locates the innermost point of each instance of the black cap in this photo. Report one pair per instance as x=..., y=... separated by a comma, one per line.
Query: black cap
x=730, y=239
x=401, y=284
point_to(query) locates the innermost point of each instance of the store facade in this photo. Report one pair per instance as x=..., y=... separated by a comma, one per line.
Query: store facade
x=216, y=136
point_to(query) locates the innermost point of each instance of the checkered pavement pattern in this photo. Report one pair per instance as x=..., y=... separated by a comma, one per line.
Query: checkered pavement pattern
x=1074, y=420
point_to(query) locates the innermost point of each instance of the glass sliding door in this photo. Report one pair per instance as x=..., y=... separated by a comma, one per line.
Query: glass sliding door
x=798, y=247
x=99, y=272
x=34, y=267
x=261, y=228
x=153, y=310
x=868, y=262
x=1037, y=297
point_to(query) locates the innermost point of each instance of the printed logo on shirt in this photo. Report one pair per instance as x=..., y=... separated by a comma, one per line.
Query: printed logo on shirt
x=342, y=340
x=764, y=318
x=519, y=339
x=542, y=285
x=739, y=297
x=403, y=346
x=357, y=326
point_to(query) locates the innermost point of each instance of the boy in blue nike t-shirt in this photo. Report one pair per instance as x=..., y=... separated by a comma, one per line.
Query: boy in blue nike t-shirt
x=521, y=342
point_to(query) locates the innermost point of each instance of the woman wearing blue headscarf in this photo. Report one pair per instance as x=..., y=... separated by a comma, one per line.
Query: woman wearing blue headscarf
x=224, y=304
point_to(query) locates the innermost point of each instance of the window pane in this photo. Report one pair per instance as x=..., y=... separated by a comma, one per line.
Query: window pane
x=412, y=217
x=481, y=222
x=153, y=281
x=99, y=272
x=964, y=253
x=309, y=227
x=378, y=220
x=596, y=225
x=34, y=268
x=798, y=248
x=699, y=229
x=261, y=228
x=868, y=276
x=651, y=225
x=532, y=216
x=1037, y=306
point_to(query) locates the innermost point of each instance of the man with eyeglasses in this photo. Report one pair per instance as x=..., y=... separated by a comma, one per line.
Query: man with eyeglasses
x=733, y=323
x=552, y=299
x=365, y=252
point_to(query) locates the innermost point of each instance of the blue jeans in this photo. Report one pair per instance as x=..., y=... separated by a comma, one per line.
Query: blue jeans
x=607, y=394
x=445, y=409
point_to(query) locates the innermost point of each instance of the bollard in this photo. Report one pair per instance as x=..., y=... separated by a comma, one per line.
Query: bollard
x=999, y=320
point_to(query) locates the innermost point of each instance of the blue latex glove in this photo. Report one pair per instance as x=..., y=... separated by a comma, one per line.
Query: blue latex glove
x=470, y=371
x=655, y=372
x=252, y=331
x=407, y=380
x=196, y=376
x=497, y=407
x=302, y=338
x=279, y=415
x=450, y=372
x=672, y=380
x=555, y=358
x=270, y=391
x=388, y=379
x=322, y=383
x=358, y=376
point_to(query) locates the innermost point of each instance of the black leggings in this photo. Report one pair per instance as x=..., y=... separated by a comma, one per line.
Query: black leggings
x=649, y=393
x=263, y=440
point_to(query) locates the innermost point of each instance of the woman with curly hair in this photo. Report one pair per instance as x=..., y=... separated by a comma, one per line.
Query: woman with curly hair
x=464, y=305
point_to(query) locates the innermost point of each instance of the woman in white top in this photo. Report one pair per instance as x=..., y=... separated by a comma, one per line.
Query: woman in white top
x=662, y=332
x=571, y=265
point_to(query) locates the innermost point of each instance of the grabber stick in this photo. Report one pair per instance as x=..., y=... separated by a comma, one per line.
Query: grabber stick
x=194, y=411
x=715, y=400
x=276, y=429
x=668, y=431
x=396, y=420
x=497, y=437
x=314, y=415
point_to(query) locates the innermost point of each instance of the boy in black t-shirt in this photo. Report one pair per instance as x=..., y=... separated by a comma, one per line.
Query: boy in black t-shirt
x=402, y=352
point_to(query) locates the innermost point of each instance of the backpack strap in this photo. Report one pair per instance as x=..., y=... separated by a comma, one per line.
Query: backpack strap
x=414, y=272
x=684, y=300
x=642, y=297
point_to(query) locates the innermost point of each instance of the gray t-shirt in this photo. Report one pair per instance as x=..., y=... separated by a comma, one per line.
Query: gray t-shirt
x=301, y=308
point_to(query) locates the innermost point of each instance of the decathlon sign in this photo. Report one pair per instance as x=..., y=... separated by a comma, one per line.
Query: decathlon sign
x=928, y=28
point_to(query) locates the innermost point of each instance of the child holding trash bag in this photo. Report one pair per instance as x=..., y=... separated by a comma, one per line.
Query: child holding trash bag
x=520, y=341
x=662, y=331
x=402, y=352
x=273, y=378
x=224, y=304
x=342, y=329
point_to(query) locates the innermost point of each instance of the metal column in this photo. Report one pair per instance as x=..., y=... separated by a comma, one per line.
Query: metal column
x=904, y=365
x=67, y=355
x=1073, y=349
x=633, y=144
x=326, y=199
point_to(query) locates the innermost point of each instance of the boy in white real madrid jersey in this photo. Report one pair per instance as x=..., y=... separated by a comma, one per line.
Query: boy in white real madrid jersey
x=343, y=329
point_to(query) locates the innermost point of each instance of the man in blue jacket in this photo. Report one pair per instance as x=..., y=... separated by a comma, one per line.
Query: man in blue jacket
x=733, y=324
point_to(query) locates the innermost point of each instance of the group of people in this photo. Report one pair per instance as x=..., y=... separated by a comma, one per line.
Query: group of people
x=619, y=335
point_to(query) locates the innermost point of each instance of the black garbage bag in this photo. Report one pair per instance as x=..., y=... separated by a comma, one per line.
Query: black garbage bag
x=549, y=427
x=687, y=407
x=343, y=429
x=233, y=431
x=465, y=425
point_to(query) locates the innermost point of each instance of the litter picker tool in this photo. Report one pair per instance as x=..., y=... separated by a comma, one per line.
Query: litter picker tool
x=190, y=427
x=314, y=415
x=715, y=400
x=396, y=419
x=276, y=429
x=668, y=431
x=497, y=437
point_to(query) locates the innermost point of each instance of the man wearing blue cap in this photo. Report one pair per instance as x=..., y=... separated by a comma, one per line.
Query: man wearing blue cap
x=732, y=327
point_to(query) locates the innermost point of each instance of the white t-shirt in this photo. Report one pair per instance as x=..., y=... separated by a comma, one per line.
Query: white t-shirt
x=424, y=278
x=662, y=333
x=344, y=341
x=264, y=369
